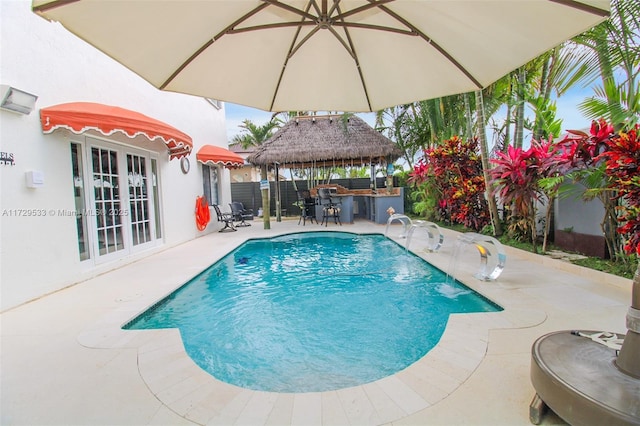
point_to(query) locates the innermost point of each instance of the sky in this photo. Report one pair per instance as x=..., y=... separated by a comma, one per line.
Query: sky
x=236, y=114
x=566, y=109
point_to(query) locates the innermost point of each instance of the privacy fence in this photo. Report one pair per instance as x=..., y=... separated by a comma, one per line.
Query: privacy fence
x=249, y=193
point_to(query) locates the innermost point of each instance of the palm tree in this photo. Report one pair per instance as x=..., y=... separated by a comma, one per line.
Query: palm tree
x=484, y=155
x=398, y=125
x=255, y=135
x=613, y=54
x=424, y=124
x=518, y=136
x=542, y=102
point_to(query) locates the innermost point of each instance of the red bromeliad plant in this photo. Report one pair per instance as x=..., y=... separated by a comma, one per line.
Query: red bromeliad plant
x=517, y=175
x=583, y=148
x=622, y=167
x=454, y=170
x=622, y=161
x=609, y=164
x=590, y=169
x=554, y=163
x=515, y=178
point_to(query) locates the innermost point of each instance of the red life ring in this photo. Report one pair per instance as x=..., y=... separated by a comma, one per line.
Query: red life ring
x=202, y=213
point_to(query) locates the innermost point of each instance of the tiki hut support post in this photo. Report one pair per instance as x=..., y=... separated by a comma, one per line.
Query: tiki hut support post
x=266, y=202
x=277, y=188
x=389, y=176
x=372, y=172
x=293, y=179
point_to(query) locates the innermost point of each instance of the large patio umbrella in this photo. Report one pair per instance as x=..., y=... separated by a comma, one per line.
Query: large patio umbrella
x=321, y=55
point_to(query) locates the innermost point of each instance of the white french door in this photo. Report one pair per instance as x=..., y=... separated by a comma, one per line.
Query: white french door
x=140, y=212
x=108, y=209
x=122, y=219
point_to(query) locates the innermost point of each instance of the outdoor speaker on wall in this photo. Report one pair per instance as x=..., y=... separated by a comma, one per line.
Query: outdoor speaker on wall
x=12, y=99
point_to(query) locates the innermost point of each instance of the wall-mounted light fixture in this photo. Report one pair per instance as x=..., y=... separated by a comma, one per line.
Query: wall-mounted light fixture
x=35, y=179
x=16, y=100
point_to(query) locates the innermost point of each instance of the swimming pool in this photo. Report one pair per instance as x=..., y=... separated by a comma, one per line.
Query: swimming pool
x=312, y=311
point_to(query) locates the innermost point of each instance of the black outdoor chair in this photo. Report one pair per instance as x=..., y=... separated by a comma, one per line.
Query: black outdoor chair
x=240, y=214
x=330, y=207
x=307, y=206
x=226, y=218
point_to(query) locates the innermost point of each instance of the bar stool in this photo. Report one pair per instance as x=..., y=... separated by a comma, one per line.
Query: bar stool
x=330, y=207
x=307, y=207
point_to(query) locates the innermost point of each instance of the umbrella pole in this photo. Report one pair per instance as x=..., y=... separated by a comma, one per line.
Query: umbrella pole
x=629, y=358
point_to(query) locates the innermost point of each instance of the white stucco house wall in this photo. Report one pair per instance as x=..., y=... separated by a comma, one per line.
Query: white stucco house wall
x=54, y=186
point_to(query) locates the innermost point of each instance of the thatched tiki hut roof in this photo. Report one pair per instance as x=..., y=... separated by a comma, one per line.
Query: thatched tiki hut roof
x=325, y=141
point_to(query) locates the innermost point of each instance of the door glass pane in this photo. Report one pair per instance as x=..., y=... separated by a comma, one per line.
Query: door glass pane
x=210, y=184
x=156, y=197
x=107, y=200
x=213, y=175
x=138, y=199
x=80, y=202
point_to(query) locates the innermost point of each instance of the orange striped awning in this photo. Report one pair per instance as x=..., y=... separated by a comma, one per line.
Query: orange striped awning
x=79, y=117
x=217, y=155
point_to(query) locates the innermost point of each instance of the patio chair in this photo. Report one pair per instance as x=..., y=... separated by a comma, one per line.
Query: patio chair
x=226, y=218
x=330, y=207
x=307, y=207
x=240, y=214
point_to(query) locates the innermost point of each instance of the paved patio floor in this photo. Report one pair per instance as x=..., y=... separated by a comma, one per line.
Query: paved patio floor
x=66, y=361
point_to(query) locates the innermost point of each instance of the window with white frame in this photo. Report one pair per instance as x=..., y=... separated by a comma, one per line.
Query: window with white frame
x=211, y=184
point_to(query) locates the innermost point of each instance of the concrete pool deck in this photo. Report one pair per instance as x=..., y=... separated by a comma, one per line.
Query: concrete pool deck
x=65, y=360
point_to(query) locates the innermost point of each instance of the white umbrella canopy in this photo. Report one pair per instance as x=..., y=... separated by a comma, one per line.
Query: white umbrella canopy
x=323, y=55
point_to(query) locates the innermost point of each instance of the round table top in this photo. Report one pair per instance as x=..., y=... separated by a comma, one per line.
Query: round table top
x=577, y=373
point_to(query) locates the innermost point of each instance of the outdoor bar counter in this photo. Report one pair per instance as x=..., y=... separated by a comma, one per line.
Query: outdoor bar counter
x=363, y=203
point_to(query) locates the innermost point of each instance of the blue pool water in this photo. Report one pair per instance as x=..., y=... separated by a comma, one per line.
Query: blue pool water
x=312, y=312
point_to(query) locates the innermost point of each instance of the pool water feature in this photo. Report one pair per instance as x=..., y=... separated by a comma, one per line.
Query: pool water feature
x=313, y=311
